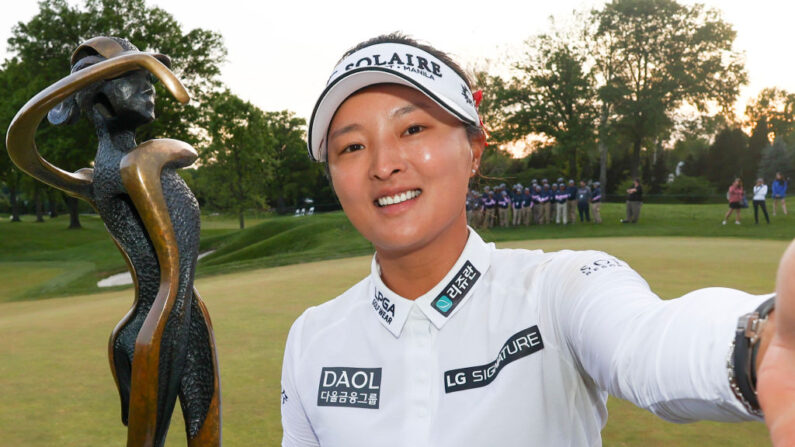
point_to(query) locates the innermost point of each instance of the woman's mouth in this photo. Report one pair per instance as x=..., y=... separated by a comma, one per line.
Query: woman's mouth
x=398, y=198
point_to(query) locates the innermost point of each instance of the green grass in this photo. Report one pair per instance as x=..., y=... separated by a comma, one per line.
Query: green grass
x=56, y=387
x=271, y=241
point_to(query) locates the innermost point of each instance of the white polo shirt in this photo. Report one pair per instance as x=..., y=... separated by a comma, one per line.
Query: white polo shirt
x=511, y=348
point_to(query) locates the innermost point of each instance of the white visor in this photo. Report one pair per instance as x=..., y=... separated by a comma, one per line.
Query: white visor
x=393, y=63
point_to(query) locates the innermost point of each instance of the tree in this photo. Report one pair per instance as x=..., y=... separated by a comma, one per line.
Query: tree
x=15, y=92
x=553, y=96
x=494, y=108
x=776, y=107
x=604, y=58
x=667, y=54
x=756, y=144
x=690, y=189
x=41, y=49
x=775, y=158
x=725, y=158
x=239, y=156
x=294, y=176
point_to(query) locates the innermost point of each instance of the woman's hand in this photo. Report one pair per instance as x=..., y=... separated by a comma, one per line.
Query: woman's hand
x=776, y=371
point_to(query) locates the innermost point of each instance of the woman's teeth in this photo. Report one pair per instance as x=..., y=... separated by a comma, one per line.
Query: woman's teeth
x=397, y=198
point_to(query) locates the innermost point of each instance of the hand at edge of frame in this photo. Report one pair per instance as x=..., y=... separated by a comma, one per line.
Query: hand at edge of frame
x=776, y=372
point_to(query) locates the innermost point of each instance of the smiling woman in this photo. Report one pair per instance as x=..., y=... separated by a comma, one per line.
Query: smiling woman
x=395, y=169
x=462, y=344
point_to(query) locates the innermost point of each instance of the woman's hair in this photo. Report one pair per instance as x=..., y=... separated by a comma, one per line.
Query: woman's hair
x=473, y=131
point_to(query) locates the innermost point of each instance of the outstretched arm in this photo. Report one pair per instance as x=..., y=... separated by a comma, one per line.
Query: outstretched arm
x=20, y=138
x=776, y=364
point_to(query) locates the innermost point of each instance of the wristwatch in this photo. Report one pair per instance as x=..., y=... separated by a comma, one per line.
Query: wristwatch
x=741, y=362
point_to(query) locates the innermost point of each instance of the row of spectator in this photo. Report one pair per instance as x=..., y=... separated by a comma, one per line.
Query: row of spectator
x=540, y=203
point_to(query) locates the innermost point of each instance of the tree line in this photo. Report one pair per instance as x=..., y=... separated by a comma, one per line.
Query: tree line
x=248, y=158
x=630, y=91
x=627, y=90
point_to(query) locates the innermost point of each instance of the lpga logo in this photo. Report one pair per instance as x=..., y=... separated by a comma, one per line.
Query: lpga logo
x=385, y=309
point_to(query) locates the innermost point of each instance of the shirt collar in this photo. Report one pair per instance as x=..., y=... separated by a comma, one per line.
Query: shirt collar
x=441, y=302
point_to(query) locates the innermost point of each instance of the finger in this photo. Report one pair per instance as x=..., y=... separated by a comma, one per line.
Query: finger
x=785, y=297
x=776, y=392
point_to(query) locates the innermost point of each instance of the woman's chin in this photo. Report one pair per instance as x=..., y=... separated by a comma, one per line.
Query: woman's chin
x=410, y=237
x=398, y=238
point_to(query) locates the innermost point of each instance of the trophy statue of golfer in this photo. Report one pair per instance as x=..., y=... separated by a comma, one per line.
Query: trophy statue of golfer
x=164, y=347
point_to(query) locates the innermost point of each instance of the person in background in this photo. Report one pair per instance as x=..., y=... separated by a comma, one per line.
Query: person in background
x=634, y=202
x=735, y=196
x=780, y=193
x=553, y=212
x=517, y=204
x=583, y=201
x=537, y=205
x=477, y=212
x=760, y=191
x=546, y=203
x=528, y=206
x=596, y=202
x=561, y=198
x=571, y=203
x=503, y=207
x=489, y=209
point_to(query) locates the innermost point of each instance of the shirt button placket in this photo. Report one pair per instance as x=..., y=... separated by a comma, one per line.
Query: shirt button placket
x=422, y=365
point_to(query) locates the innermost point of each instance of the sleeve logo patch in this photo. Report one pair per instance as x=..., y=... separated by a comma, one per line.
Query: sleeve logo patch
x=600, y=264
x=519, y=345
x=349, y=387
x=456, y=289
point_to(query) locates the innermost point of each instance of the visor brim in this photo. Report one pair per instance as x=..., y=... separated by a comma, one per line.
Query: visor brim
x=344, y=86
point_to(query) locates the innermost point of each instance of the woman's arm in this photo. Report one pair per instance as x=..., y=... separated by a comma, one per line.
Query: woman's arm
x=776, y=361
x=669, y=357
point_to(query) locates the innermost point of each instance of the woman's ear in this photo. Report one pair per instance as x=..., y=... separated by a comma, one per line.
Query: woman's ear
x=67, y=112
x=477, y=144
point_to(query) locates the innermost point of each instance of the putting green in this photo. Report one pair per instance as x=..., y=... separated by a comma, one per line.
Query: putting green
x=18, y=277
x=18, y=280
x=56, y=387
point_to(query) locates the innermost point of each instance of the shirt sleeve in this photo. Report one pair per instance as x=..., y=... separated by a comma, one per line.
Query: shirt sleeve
x=297, y=430
x=668, y=357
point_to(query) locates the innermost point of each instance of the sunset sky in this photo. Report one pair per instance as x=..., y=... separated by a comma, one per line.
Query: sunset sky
x=281, y=52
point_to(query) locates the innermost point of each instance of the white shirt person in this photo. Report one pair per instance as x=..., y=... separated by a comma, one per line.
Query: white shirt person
x=449, y=341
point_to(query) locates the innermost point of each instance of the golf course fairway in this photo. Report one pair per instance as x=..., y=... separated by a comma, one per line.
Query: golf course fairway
x=57, y=390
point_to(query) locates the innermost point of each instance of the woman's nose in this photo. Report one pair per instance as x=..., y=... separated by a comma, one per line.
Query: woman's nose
x=387, y=160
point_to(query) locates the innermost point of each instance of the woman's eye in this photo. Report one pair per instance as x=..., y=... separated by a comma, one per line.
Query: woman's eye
x=352, y=147
x=414, y=129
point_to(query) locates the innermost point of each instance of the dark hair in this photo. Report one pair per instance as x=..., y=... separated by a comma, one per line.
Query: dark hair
x=473, y=131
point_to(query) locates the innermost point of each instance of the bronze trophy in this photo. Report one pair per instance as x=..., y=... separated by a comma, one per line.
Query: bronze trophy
x=164, y=347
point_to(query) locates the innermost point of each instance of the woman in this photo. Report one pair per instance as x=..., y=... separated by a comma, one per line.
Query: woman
x=451, y=342
x=760, y=193
x=780, y=193
x=735, y=196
